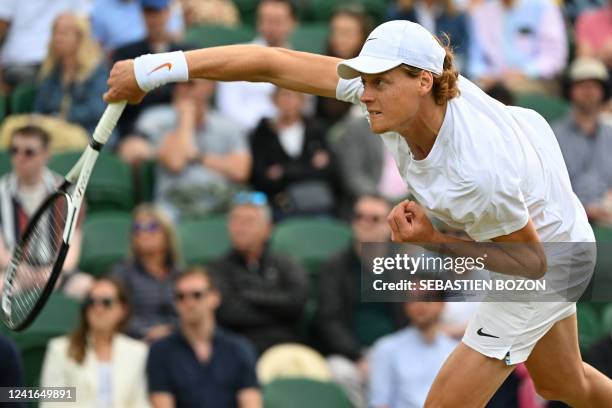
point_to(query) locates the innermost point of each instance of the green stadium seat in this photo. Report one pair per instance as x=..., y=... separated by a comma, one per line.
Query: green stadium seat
x=106, y=241
x=322, y=10
x=606, y=319
x=204, y=36
x=3, y=107
x=550, y=107
x=22, y=98
x=204, y=240
x=304, y=393
x=145, y=181
x=247, y=9
x=311, y=241
x=589, y=325
x=59, y=317
x=110, y=187
x=310, y=38
x=5, y=162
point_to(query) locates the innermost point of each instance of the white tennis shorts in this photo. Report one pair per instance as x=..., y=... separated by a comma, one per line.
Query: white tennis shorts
x=510, y=330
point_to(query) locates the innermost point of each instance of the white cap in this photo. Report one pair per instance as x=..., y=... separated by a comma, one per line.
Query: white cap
x=392, y=44
x=584, y=68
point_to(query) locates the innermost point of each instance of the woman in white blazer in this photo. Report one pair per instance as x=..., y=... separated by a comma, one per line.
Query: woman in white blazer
x=106, y=367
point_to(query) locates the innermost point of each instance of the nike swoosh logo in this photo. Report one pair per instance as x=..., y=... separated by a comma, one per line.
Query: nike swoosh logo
x=481, y=333
x=370, y=39
x=164, y=65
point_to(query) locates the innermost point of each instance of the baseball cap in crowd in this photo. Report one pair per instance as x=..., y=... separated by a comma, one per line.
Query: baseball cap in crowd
x=155, y=4
x=392, y=44
x=585, y=68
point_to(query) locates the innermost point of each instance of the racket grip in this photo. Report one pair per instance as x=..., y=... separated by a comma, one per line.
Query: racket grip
x=108, y=121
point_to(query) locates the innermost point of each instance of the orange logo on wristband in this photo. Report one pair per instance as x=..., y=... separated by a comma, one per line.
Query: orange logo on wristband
x=167, y=64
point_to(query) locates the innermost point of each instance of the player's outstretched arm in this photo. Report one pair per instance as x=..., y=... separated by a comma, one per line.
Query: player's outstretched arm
x=299, y=71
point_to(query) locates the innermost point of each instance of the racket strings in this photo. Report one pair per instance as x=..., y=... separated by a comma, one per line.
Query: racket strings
x=35, y=259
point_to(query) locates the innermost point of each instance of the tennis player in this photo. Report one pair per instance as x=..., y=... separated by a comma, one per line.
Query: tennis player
x=494, y=171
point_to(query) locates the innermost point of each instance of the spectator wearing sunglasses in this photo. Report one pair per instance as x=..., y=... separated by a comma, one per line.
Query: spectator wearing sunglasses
x=267, y=290
x=22, y=191
x=200, y=364
x=148, y=274
x=346, y=327
x=106, y=367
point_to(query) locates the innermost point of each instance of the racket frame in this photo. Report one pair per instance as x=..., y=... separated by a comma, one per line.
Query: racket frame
x=80, y=173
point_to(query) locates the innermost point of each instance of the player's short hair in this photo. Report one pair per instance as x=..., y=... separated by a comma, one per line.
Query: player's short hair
x=33, y=131
x=289, y=3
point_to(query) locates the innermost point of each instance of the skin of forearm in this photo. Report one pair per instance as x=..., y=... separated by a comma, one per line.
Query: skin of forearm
x=299, y=71
x=516, y=259
x=234, y=166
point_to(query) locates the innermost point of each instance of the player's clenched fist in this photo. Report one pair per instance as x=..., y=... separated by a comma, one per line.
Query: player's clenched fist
x=122, y=84
x=131, y=79
x=409, y=223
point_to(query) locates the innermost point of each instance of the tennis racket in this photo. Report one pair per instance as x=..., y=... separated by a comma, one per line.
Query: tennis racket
x=38, y=257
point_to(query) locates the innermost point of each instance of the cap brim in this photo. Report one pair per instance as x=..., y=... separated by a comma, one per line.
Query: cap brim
x=364, y=64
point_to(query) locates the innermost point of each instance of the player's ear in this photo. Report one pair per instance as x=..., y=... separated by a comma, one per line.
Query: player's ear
x=426, y=82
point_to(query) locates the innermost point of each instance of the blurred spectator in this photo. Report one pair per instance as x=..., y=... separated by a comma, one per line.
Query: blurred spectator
x=25, y=30
x=148, y=274
x=292, y=162
x=349, y=28
x=247, y=103
x=521, y=43
x=120, y=22
x=202, y=155
x=594, y=34
x=73, y=76
x=403, y=365
x=367, y=167
x=266, y=292
x=201, y=365
x=586, y=142
x=106, y=367
x=158, y=38
x=345, y=326
x=574, y=8
x=501, y=93
x=441, y=17
x=22, y=191
x=599, y=355
x=11, y=369
x=214, y=12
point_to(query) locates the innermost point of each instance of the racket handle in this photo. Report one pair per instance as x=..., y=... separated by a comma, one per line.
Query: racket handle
x=108, y=121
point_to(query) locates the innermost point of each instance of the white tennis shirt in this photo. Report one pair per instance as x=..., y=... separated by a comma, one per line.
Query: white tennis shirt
x=491, y=167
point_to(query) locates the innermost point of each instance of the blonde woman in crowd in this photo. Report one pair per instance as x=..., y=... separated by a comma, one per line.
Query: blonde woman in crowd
x=149, y=273
x=73, y=76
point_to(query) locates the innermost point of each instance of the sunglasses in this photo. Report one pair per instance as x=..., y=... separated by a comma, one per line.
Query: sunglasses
x=369, y=218
x=196, y=295
x=145, y=227
x=27, y=152
x=251, y=197
x=106, y=302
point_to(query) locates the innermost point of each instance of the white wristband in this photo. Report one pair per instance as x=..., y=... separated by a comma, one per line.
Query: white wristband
x=155, y=70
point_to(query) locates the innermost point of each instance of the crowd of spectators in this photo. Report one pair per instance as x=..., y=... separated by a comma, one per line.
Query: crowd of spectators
x=261, y=155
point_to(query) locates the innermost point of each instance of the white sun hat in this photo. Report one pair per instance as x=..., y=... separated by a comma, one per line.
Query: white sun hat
x=392, y=44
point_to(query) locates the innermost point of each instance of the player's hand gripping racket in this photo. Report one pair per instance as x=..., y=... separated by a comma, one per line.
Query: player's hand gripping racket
x=39, y=255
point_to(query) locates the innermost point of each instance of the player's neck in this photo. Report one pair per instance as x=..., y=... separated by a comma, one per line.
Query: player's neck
x=422, y=132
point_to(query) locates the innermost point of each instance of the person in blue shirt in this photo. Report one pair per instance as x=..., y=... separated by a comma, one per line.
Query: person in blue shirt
x=201, y=365
x=403, y=365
